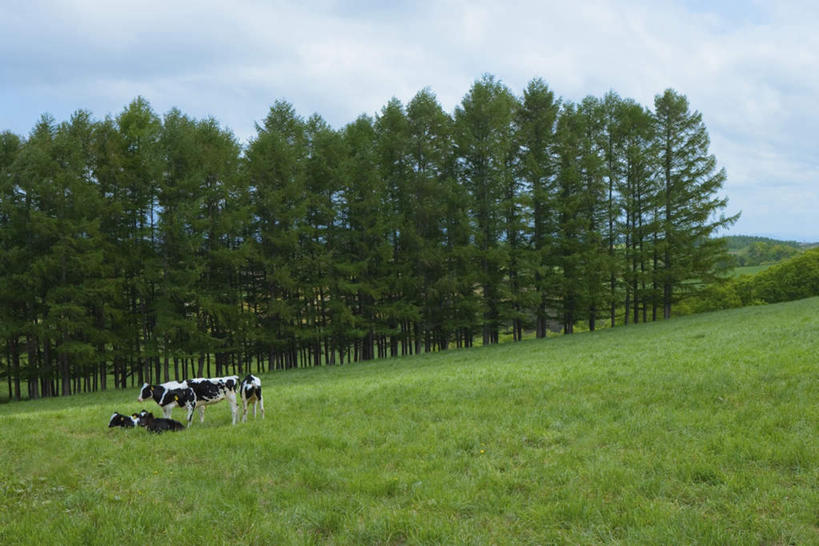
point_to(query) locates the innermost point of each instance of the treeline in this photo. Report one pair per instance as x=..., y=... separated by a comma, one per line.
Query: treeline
x=150, y=248
x=736, y=243
x=748, y=250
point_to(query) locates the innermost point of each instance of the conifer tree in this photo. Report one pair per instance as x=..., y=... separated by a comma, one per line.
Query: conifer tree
x=179, y=238
x=571, y=222
x=137, y=178
x=404, y=292
x=366, y=251
x=612, y=149
x=222, y=219
x=431, y=185
x=639, y=193
x=62, y=208
x=691, y=186
x=12, y=264
x=536, y=121
x=595, y=261
x=484, y=145
x=275, y=171
x=318, y=240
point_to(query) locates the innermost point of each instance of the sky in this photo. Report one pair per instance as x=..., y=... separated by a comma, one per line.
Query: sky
x=750, y=67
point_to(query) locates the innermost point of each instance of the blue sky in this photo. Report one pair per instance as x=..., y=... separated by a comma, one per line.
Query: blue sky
x=751, y=68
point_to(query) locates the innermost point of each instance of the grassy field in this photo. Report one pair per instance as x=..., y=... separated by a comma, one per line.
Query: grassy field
x=749, y=269
x=698, y=430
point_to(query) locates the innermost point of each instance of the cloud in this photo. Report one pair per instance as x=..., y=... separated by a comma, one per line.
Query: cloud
x=750, y=68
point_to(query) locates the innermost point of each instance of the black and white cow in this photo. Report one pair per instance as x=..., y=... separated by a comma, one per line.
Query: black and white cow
x=191, y=394
x=146, y=419
x=120, y=420
x=251, y=392
x=169, y=395
x=211, y=390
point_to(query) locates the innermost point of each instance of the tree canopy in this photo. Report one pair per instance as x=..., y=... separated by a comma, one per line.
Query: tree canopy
x=145, y=248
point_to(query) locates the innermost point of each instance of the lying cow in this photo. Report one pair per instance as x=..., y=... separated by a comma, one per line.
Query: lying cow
x=191, y=394
x=120, y=420
x=146, y=419
x=251, y=392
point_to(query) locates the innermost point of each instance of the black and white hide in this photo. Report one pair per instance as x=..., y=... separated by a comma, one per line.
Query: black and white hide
x=158, y=425
x=212, y=390
x=251, y=393
x=120, y=420
x=170, y=395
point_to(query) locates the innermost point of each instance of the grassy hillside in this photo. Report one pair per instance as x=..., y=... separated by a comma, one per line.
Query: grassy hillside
x=702, y=429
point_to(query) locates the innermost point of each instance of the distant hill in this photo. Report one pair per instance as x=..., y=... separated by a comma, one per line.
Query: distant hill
x=739, y=242
x=750, y=250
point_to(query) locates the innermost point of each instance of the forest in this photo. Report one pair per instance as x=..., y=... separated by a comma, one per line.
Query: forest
x=147, y=248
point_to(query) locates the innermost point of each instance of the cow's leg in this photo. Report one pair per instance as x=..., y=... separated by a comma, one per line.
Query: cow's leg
x=234, y=407
x=190, y=406
x=202, y=413
x=166, y=410
x=261, y=406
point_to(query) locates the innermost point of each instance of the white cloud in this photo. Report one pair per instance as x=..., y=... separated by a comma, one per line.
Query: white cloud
x=752, y=69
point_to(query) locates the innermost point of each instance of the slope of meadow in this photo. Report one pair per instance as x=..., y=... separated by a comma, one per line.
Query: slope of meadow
x=701, y=429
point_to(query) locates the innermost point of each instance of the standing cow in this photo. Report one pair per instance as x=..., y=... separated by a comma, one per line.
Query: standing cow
x=212, y=390
x=193, y=393
x=251, y=392
x=168, y=396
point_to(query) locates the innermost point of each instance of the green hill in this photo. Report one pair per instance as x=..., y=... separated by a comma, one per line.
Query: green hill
x=754, y=254
x=743, y=242
x=702, y=429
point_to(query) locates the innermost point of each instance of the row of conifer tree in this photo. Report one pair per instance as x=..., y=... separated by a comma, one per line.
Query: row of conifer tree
x=147, y=248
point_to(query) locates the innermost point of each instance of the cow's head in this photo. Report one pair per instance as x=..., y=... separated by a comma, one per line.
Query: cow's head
x=119, y=420
x=146, y=392
x=143, y=417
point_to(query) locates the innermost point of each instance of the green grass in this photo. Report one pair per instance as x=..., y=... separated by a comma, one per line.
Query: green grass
x=749, y=269
x=698, y=430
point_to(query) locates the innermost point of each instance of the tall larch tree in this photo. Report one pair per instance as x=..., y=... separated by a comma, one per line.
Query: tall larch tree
x=177, y=293
x=571, y=225
x=366, y=249
x=612, y=149
x=596, y=263
x=536, y=121
x=430, y=185
x=275, y=170
x=404, y=294
x=639, y=192
x=139, y=165
x=322, y=184
x=484, y=144
x=12, y=261
x=691, y=197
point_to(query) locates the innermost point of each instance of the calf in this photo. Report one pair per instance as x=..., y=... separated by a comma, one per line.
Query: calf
x=251, y=392
x=146, y=419
x=120, y=420
x=210, y=391
x=169, y=396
